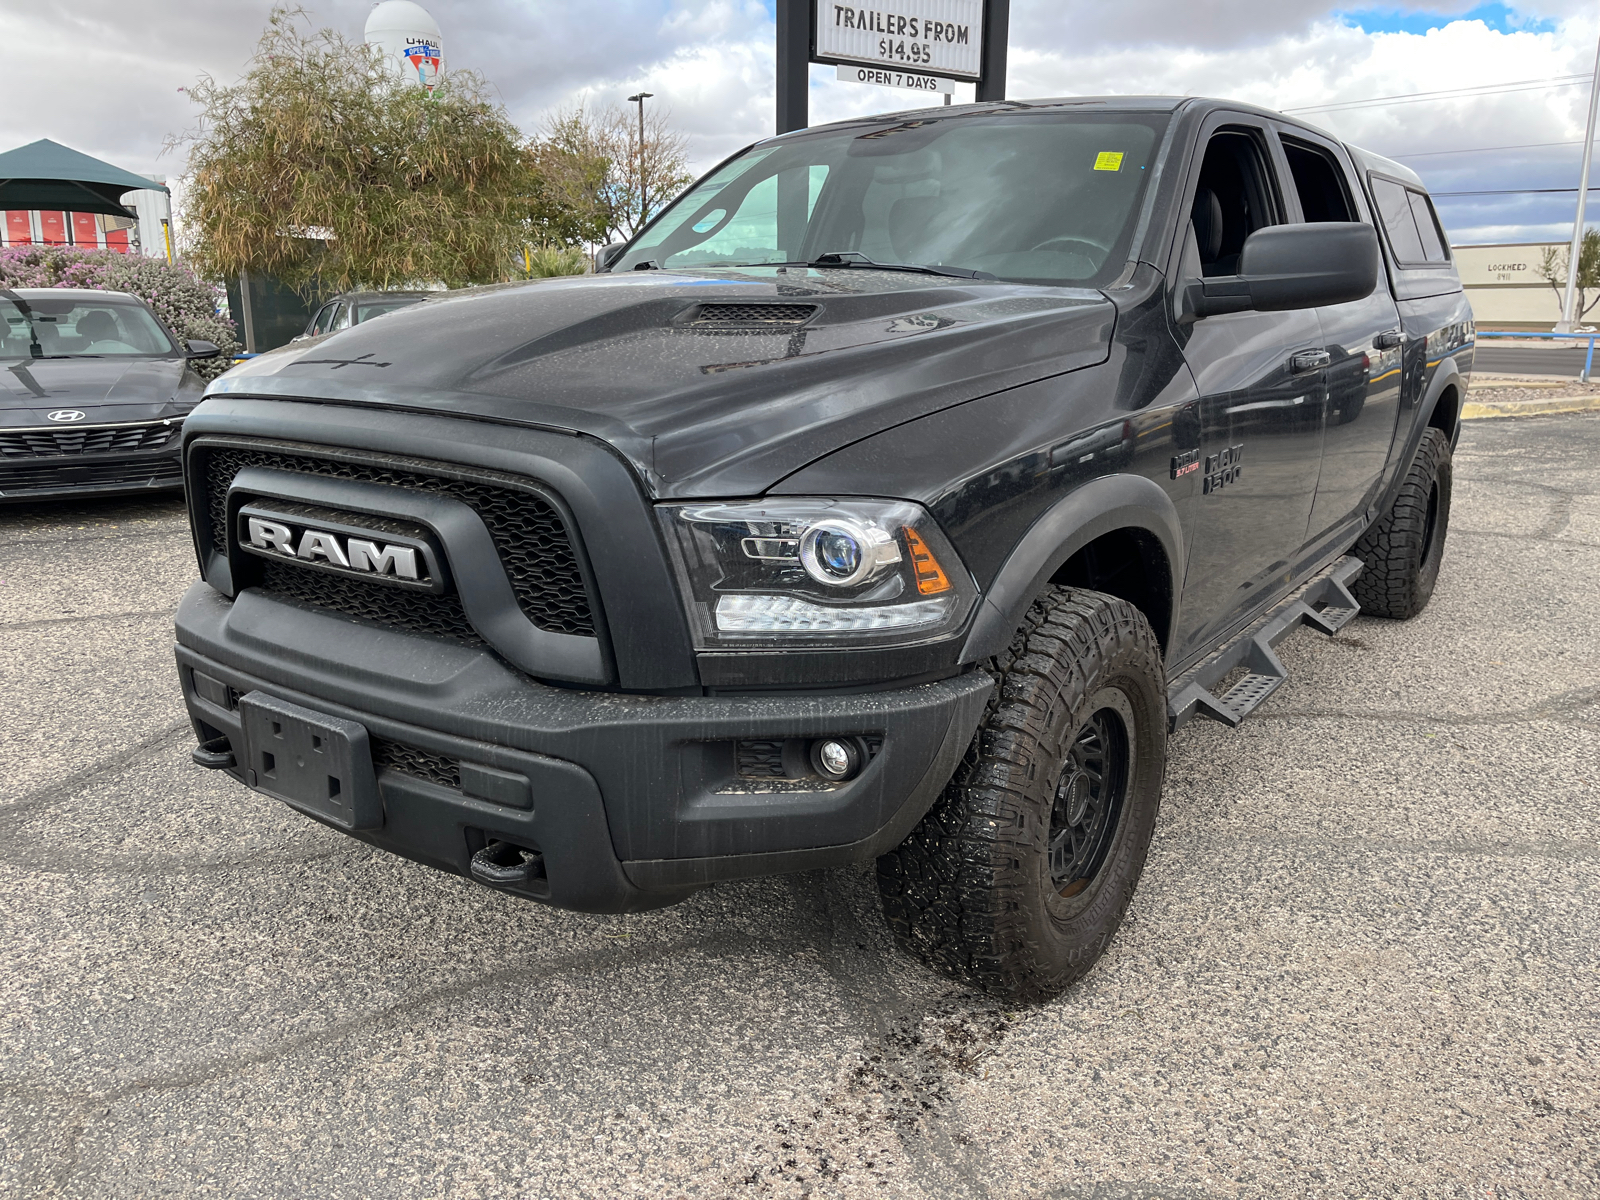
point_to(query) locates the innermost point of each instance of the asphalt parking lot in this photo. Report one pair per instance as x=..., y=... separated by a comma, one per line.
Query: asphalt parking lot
x=1363, y=960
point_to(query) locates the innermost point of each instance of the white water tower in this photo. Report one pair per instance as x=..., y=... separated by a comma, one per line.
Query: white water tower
x=409, y=40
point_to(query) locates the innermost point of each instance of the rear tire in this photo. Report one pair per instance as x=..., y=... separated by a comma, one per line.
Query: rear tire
x=1020, y=875
x=1403, y=549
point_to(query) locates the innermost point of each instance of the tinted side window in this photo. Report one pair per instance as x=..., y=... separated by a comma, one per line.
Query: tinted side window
x=1433, y=247
x=341, y=318
x=324, y=318
x=1234, y=198
x=1319, y=184
x=1394, y=207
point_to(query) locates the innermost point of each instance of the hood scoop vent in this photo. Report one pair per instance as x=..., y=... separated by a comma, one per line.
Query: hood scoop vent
x=751, y=316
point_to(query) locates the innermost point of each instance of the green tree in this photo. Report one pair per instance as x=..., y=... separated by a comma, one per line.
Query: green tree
x=323, y=169
x=1553, y=270
x=573, y=168
x=600, y=179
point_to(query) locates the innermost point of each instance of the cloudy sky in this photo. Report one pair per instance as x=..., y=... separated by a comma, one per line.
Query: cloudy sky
x=104, y=76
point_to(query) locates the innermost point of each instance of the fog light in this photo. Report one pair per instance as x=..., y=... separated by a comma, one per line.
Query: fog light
x=836, y=758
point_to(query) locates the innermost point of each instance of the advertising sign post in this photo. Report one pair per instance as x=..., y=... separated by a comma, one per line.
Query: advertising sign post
x=924, y=45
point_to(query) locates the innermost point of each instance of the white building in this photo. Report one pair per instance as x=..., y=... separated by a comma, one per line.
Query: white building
x=1506, y=289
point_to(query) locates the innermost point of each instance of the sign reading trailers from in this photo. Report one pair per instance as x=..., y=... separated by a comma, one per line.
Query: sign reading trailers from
x=923, y=37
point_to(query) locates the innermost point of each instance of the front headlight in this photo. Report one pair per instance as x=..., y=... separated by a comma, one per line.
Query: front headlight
x=803, y=573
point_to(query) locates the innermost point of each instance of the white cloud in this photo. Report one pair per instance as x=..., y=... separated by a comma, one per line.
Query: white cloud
x=104, y=75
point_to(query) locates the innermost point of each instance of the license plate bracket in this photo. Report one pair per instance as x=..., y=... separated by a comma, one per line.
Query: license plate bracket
x=319, y=764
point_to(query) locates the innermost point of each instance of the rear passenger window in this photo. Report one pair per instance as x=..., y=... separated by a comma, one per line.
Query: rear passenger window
x=1319, y=183
x=1428, y=227
x=1394, y=208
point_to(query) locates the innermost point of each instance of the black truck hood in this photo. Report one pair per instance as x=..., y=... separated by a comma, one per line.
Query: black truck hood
x=105, y=390
x=701, y=407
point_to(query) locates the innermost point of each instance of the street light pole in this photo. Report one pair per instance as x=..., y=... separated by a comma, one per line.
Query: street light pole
x=644, y=199
x=1570, y=301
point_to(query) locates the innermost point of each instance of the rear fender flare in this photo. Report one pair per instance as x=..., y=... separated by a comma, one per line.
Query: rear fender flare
x=1445, y=376
x=1093, y=510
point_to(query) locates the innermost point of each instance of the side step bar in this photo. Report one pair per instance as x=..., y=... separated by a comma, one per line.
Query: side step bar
x=1324, y=603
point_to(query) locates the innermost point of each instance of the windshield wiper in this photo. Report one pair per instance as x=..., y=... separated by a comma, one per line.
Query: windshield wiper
x=854, y=258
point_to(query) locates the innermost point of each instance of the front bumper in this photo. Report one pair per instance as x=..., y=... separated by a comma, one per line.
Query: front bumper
x=635, y=800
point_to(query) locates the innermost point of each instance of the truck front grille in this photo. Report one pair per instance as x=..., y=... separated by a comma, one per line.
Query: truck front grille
x=528, y=532
x=414, y=612
x=103, y=439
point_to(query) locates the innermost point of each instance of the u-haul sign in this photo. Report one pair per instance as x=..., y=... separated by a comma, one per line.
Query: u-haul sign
x=928, y=37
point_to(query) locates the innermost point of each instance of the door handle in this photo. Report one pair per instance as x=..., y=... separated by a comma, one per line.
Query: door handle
x=1309, y=360
x=1388, y=339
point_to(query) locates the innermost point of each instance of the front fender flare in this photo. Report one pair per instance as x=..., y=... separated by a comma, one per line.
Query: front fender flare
x=1097, y=508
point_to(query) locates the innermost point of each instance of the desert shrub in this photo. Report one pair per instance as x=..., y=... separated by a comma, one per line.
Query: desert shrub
x=545, y=262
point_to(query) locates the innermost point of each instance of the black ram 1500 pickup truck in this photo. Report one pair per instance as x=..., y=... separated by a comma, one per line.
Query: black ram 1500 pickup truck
x=891, y=496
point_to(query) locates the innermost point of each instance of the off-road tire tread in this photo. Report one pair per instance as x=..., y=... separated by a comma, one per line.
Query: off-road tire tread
x=953, y=890
x=1396, y=581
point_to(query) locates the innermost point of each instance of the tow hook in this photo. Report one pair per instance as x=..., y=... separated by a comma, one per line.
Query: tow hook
x=502, y=865
x=215, y=755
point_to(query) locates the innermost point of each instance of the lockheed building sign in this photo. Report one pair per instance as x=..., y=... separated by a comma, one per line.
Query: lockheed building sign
x=941, y=38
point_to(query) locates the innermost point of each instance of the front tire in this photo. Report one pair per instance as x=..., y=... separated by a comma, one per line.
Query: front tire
x=1020, y=875
x=1403, y=549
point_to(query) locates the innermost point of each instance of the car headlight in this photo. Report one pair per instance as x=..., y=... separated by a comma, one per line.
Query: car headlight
x=804, y=573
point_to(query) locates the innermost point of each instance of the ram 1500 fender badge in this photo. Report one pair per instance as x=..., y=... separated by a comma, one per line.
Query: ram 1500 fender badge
x=1186, y=463
x=346, y=549
x=1222, y=469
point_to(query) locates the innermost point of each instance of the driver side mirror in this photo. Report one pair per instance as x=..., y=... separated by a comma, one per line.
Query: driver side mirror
x=198, y=349
x=606, y=255
x=1284, y=267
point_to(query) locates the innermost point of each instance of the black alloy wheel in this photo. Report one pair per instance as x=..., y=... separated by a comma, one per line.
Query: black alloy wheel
x=1088, y=807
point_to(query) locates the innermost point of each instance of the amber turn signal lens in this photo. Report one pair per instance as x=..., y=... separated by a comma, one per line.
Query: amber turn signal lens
x=931, y=579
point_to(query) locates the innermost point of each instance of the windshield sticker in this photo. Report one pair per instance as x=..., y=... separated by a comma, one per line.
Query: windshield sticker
x=1108, y=160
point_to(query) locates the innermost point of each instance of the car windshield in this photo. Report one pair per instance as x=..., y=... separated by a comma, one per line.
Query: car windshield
x=47, y=327
x=1037, y=197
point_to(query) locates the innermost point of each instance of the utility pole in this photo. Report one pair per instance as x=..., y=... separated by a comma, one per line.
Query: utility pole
x=644, y=198
x=1570, y=303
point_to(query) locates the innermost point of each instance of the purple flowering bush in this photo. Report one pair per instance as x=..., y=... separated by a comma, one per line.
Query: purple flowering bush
x=187, y=304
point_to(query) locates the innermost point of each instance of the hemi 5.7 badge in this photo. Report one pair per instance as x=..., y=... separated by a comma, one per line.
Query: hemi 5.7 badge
x=1186, y=463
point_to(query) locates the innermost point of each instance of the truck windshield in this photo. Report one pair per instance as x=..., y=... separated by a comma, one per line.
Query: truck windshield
x=1035, y=197
x=46, y=327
